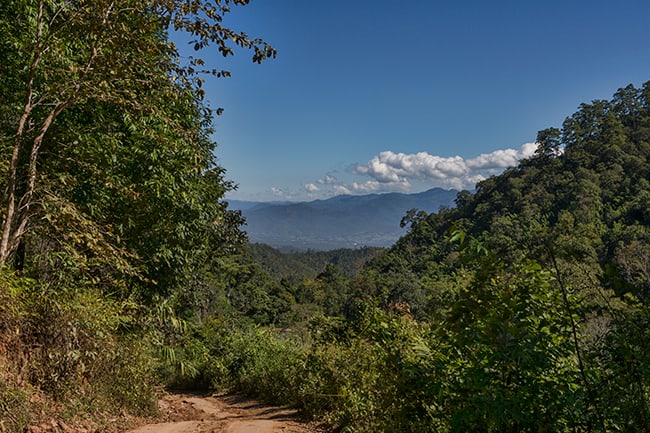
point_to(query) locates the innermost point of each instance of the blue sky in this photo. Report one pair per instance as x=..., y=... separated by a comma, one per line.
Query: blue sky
x=374, y=96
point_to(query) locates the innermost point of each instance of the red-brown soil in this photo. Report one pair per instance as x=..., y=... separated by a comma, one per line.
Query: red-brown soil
x=187, y=413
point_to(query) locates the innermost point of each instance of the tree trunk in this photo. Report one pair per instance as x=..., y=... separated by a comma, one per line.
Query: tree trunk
x=9, y=196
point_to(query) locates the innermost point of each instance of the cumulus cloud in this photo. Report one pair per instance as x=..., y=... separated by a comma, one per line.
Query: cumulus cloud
x=502, y=158
x=370, y=186
x=392, y=171
x=341, y=189
x=310, y=187
x=327, y=180
x=402, y=172
x=277, y=192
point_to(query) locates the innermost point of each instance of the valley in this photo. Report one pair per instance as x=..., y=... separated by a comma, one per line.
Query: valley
x=343, y=221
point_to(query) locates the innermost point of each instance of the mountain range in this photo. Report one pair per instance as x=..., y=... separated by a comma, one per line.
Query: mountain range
x=344, y=221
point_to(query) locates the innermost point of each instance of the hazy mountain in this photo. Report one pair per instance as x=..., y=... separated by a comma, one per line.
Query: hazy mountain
x=344, y=221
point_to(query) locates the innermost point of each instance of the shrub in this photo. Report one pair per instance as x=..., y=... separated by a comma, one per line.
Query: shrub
x=374, y=377
x=78, y=346
x=267, y=365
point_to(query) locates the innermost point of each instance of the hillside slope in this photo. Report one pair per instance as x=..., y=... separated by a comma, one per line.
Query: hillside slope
x=340, y=222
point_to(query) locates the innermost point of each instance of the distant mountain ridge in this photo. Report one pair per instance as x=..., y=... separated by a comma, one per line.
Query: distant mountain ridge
x=344, y=221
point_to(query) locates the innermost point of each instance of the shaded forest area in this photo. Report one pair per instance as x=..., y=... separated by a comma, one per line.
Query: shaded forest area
x=523, y=309
x=298, y=264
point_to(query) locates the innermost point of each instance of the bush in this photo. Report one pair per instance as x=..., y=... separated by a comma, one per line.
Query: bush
x=373, y=377
x=266, y=365
x=369, y=375
x=79, y=347
x=225, y=356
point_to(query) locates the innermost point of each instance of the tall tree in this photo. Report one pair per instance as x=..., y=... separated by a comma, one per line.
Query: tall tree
x=103, y=129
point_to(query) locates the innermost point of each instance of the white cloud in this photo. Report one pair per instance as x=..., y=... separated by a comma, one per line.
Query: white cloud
x=277, y=192
x=341, y=189
x=367, y=187
x=371, y=186
x=401, y=172
x=327, y=180
x=392, y=171
x=310, y=187
x=502, y=158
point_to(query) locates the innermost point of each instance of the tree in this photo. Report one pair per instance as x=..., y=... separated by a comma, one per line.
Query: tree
x=510, y=364
x=105, y=137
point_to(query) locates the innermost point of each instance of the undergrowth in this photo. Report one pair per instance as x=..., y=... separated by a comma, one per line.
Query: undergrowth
x=76, y=348
x=356, y=383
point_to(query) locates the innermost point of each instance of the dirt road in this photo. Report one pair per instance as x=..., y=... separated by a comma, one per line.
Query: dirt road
x=223, y=414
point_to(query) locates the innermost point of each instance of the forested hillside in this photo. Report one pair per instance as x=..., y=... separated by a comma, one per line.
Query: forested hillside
x=295, y=265
x=580, y=207
x=525, y=308
x=522, y=309
x=534, y=290
x=340, y=222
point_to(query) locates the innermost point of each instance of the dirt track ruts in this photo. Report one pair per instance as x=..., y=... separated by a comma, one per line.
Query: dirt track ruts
x=223, y=414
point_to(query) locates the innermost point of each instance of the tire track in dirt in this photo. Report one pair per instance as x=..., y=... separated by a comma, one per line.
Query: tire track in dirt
x=187, y=413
